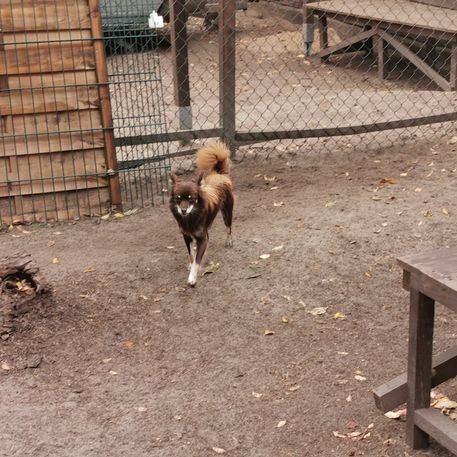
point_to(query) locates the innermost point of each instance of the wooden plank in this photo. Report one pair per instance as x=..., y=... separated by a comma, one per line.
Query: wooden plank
x=323, y=32
x=23, y=39
x=44, y=15
x=62, y=206
x=45, y=144
x=47, y=58
x=400, y=12
x=415, y=60
x=51, y=186
x=394, y=393
x=438, y=426
x=47, y=80
x=48, y=100
x=105, y=103
x=53, y=122
x=47, y=166
x=451, y=4
x=227, y=71
x=421, y=320
x=344, y=44
x=453, y=69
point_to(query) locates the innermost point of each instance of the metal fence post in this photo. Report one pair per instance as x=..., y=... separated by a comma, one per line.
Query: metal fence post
x=227, y=11
x=178, y=22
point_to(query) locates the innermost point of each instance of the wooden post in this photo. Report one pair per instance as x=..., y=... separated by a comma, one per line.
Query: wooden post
x=453, y=74
x=227, y=16
x=323, y=33
x=105, y=104
x=382, y=73
x=308, y=28
x=178, y=22
x=421, y=318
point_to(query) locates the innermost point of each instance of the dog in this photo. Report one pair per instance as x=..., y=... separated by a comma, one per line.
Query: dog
x=195, y=203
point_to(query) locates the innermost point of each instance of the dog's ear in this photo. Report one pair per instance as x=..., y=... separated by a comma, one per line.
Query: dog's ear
x=173, y=177
x=199, y=178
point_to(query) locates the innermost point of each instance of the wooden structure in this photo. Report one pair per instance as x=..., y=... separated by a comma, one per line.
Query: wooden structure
x=390, y=22
x=429, y=277
x=56, y=141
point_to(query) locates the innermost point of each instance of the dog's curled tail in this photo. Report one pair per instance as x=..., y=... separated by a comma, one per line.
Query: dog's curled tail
x=214, y=157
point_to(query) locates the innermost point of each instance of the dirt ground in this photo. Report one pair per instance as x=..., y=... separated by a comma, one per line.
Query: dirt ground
x=131, y=362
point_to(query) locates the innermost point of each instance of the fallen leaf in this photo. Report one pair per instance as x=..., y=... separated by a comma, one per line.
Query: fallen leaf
x=266, y=178
x=170, y=247
x=211, y=268
x=218, y=450
x=284, y=320
x=357, y=377
x=112, y=372
x=118, y=215
x=55, y=260
x=278, y=204
x=318, y=310
x=418, y=189
x=278, y=248
x=142, y=409
x=354, y=434
x=129, y=344
x=130, y=212
x=89, y=270
x=51, y=243
x=395, y=414
x=368, y=274
x=5, y=366
x=274, y=188
x=329, y=204
x=281, y=424
x=388, y=181
x=264, y=256
x=268, y=332
x=144, y=297
x=445, y=211
x=349, y=398
x=257, y=395
x=339, y=316
x=339, y=435
x=403, y=174
x=445, y=403
x=294, y=388
x=453, y=140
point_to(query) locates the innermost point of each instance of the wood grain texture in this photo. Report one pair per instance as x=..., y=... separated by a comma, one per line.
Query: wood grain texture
x=400, y=12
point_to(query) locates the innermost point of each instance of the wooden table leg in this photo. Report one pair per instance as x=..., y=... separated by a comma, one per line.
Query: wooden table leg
x=421, y=319
x=323, y=33
x=382, y=70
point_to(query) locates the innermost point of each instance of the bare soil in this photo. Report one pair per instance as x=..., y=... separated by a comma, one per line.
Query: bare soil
x=126, y=360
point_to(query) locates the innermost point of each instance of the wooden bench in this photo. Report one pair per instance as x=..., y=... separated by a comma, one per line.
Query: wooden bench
x=429, y=277
x=391, y=23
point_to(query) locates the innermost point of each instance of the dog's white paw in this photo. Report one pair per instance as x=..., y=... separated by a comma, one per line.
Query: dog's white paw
x=192, y=279
x=229, y=242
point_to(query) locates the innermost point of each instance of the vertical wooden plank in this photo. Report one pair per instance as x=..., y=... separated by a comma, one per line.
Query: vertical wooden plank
x=453, y=74
x=227, y=63
x=179, y=49
x=381, y=44
x=323, y=33
x=421, y=319
x=105, y=103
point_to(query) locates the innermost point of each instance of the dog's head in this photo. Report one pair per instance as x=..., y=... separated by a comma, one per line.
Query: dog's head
x=185, y=195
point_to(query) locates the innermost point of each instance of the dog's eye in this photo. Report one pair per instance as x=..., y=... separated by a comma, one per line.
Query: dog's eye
x=189, y=197
x=178, y=198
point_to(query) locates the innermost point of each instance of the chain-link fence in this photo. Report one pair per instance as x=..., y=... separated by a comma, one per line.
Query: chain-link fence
x=308, y=74
x=96, y=109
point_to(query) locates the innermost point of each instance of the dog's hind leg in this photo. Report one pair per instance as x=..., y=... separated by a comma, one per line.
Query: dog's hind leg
x=227, y=214
x=188, y=241
x=202, y=243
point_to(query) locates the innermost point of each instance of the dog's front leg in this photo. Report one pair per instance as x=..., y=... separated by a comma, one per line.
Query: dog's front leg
x=202, y=242
x=188, y=241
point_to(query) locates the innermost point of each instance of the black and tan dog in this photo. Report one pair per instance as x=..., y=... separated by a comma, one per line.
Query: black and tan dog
x=195, y=203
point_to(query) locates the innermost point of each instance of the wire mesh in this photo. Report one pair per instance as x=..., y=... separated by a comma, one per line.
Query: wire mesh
x=308, y=74
x=137, y=98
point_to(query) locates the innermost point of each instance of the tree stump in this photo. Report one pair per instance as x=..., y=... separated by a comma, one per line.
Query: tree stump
x=21, y=289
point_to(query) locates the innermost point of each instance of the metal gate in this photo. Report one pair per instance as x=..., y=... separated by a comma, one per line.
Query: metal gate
x=137, y=100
